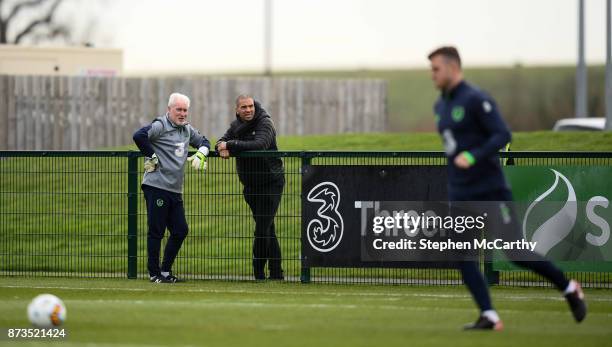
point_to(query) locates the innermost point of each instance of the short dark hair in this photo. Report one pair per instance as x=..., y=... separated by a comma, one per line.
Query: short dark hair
x=243, y=96
x=448, y=52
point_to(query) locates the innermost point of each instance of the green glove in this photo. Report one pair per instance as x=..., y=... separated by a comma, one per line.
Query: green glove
x=151, y=164
x=198, y=161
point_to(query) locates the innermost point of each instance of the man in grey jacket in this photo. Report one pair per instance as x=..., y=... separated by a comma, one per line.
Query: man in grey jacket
x=164, y=143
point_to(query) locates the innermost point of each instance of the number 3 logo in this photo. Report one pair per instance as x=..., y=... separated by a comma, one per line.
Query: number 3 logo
x=180, y=149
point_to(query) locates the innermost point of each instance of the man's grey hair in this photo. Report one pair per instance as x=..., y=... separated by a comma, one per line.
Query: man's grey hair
x=242, y=97
x=174, y=97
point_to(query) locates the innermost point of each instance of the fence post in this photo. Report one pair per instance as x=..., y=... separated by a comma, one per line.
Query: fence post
x=305, y=271
x=132, y=236
x=491, y=275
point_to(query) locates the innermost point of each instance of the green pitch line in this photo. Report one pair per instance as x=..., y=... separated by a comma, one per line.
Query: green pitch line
x=206, y=313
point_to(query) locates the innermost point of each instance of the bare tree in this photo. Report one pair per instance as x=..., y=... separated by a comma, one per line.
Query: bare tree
x=40, y=26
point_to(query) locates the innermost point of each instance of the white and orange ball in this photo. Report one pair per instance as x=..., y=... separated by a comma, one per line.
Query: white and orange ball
x=46, y=311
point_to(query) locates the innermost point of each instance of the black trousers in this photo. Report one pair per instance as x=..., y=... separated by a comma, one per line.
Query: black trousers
x=264, y=201
x=164, y=210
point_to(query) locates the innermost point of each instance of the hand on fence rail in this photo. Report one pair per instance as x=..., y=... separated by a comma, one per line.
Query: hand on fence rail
x=225, y=154
x=198, y=160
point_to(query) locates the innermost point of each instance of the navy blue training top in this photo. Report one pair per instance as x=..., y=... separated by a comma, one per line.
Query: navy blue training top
x=468, y=120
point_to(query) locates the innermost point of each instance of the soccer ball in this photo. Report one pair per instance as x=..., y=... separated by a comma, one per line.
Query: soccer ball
x=46, y=311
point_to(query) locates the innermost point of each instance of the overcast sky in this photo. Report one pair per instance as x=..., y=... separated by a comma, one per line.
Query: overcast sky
x=228, y=35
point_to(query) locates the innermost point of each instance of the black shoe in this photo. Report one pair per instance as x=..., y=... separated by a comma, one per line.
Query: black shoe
x=276, y=275
x=159, y=279
x=259, y=275
x=484, y=323
x=576, y=303
x=173, y=279
x=259, y=266
x=276, y=278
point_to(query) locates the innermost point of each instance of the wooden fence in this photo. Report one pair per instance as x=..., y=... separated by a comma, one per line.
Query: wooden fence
x=78, y=113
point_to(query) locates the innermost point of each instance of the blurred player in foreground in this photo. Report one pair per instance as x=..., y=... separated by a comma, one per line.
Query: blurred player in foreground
x=473, y=132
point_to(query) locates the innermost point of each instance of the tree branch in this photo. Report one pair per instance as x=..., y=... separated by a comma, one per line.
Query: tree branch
x=45, y=20
x=2, y=26
x=55, y=31
x=18, y=7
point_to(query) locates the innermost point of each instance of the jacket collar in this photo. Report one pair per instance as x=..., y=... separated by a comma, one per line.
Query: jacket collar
x=450, y=94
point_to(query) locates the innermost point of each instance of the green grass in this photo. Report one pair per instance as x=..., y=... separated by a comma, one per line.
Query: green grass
x=580, y=141
x=89, y=222
x=207, y=313
x=522, y=141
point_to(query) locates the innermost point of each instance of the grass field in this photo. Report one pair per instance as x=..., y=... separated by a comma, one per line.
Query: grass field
x=207, y=313
x=90, y=205
x=522, y=141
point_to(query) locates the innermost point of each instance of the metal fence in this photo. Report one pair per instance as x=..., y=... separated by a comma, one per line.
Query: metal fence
x=82, y=214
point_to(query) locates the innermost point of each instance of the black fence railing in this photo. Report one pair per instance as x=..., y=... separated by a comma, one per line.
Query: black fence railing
x=82, y=214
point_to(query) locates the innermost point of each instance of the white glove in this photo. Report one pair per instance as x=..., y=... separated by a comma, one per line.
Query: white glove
x=151, y=164
x=198, y=160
